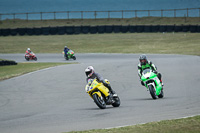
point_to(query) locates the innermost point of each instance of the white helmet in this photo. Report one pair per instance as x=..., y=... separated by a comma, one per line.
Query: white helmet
x=89, y=71
x=28, y=49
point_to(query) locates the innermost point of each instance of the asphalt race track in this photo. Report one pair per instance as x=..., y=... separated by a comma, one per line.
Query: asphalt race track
x=53, y=100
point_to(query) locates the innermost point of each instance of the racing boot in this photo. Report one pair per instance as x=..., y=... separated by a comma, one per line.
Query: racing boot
x=109, y=99
x=110, y=89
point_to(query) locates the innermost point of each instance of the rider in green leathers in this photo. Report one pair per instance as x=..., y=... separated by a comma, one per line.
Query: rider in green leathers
x=144, y=64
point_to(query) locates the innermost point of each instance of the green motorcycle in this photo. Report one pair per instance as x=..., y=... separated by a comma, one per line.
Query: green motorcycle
x=152, y=83
x=70, y=55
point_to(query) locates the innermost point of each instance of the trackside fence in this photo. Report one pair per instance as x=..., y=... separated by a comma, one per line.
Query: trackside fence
x=187, y=12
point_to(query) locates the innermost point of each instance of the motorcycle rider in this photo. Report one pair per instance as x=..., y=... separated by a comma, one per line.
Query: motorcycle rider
x=89, y=71
x=66, y=49
x=28, y=52
x=145, y=64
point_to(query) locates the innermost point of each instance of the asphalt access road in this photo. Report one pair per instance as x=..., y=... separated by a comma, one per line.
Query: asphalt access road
x=53, y=100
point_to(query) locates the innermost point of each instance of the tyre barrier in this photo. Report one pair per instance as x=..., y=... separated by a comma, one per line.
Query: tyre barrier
x=77, y=30
x=6, y=62
x=99, y=29
x=85, y=29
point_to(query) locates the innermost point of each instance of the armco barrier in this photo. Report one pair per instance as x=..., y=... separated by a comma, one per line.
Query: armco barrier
x=69, y=30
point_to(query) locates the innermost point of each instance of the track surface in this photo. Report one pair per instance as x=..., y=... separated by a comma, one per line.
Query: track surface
x=54, y=100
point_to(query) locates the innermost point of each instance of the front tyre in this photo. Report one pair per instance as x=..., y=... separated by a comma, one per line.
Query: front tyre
x=161, y=94
x=35, y=58
x=74, y=57
x=152, y=92
x=117, y=102
x=99, y=101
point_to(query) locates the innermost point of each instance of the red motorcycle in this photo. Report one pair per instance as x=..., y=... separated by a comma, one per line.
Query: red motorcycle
x=30, y=56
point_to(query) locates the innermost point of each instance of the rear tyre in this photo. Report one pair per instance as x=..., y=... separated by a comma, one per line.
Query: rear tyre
x=99, y=101
x=27, y=58
x=152, y=92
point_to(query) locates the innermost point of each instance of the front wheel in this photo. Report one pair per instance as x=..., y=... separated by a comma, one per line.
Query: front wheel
x=152, y=92
x=74, y=57
x=99, y=101
x=35, y=58
x=117, y=102
x=161, y=94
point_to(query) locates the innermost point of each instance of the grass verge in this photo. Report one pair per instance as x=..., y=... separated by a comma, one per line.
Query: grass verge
x=10, y=71
x=185, y=125
x=18, y=23
x=157, y=43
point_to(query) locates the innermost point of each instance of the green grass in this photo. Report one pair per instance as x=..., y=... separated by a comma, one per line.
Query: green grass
x=157, y=43
x=22, y=68
x=185, y=125
x=92, y=22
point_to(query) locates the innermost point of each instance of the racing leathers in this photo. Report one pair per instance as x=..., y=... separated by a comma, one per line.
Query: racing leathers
x=100, y=79
x=28, y=53
x=148, y=65
x=66, y=50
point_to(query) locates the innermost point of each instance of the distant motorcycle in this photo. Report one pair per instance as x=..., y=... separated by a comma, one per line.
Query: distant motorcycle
x=30, y=56
x=152, y=83
x=101, y=94
x=69, y=55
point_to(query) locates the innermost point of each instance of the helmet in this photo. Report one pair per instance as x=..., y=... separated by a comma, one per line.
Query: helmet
x=89, y=71
x=143, y=59
x=28, y=49
x=65, y=46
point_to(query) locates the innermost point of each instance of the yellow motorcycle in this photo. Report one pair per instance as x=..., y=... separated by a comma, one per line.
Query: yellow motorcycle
x=101, y=94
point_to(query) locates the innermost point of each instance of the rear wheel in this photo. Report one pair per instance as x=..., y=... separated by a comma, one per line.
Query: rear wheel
x=99, y=101
x=152, y=92
x=27, y=58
